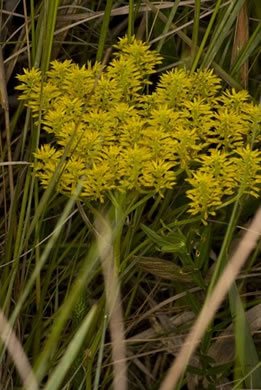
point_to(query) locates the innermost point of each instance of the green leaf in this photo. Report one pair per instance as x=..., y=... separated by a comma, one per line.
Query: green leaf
x=71, y=352
x=246, y=52
x=245, y=348
x=222, y=30
x=172, y=243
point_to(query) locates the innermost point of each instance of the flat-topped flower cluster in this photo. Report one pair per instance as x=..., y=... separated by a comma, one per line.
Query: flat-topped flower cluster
x=123, y=137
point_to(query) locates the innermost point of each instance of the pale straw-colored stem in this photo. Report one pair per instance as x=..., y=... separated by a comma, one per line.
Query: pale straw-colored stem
x=16, y=352
x=113, y=300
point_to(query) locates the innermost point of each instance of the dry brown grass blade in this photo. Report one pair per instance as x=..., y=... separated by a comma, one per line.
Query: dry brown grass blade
x=124, y=10
x=159, y=306
x=16, y=351
x=113, y=300
x=240, y=40
x=162, y=268
x=5, y=163
x=210, y=307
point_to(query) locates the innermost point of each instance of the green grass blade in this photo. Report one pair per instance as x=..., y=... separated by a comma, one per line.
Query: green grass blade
x=45, y=254
x=51, y=8
x=223, y=255
x=245, y=348
x=206, y=35
x=168, y=24
x=100, y=356
x=49, y=191
x=222, y=31
x=246, y=52
x=30, y=283
x=227, y=77
x=131, y=19
x=239, y=383
x=195, y=32
x=104, y=30
x=71, y=352
x=220, y=71
x=174, y=242
x=33, y=31
x=65, y=310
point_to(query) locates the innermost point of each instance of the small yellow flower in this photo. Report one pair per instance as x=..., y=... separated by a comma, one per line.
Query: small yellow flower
x=219, y=165
x=30, y=82
x=143, y=57
x=205, y=84
x=47, y=153
x=247, y=166
x=235, y=101
x=205, y=195
x=187, y=147
x=127, y=77
x=158, y=176
x=173, y=88
x=99, y=180
x=131, y=164
x=229, y=130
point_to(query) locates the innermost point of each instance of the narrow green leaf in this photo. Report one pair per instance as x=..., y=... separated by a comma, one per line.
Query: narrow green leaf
x=173, y=242
x=104, y=30
x=202, y=252
x=131, y=19
x=223, y=255
x=245, y=347
x=33, y=30
x=246, y=52
x=71, y=352
x=195, y=32
x=222, y=31
x=100, y=355
x=50, y=8
x=65, y=310
x=204, y=40
x=168, y=24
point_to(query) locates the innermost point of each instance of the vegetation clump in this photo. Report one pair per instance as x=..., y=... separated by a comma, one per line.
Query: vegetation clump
x=124, y=137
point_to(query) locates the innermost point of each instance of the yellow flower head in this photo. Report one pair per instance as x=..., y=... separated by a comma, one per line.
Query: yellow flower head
x=123, y=137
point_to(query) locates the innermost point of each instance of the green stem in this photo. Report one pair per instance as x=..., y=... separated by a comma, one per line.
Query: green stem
x=195, y=30
x=168, y=24
x=204, y=40
x=118, y=206
x=130, y=20
x=223, y=255
x=104, y=29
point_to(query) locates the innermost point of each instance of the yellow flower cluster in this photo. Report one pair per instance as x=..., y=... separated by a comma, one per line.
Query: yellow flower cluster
x=124, y=138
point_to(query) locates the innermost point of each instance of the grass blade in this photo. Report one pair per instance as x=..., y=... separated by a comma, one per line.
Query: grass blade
x=51, y=14
x=104, y=30
x=240, y=39
x=131, y=19
x=222, y=31
x=206, y=35
x=71, y=352
x=245, y=347
x=168, y=24
x=247, y=51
